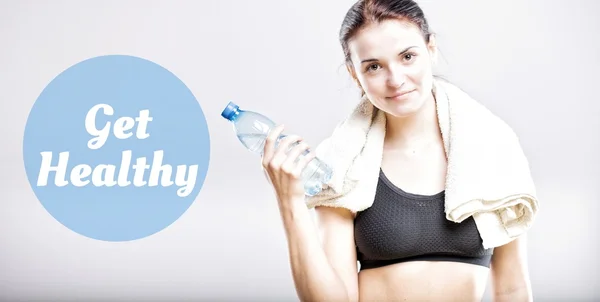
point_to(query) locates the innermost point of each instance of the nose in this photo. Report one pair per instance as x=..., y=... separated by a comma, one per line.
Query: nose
x=396, y=77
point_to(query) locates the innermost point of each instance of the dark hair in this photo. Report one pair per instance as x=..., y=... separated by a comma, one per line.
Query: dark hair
x=365, y=12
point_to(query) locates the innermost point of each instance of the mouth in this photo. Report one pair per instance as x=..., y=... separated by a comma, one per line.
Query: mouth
x=400, y=95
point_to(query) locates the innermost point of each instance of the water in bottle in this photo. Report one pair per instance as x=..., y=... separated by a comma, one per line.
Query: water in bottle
x=252, y=129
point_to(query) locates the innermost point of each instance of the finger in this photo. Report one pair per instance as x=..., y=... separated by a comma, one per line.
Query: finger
x=303, y=162
x=284, y=144
x=281, y=152
x=293, y=156
x=269, y=148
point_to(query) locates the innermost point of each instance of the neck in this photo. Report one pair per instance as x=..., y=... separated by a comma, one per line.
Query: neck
x=414, y=131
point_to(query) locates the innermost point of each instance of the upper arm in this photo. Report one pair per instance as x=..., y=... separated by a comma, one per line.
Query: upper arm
x=510, y=274
x=336, y=230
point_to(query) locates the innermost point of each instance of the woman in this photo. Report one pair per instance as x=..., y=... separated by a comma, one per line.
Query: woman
x=390, y=53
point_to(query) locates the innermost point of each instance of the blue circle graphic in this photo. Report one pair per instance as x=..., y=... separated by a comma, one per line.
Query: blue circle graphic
x=116, y=148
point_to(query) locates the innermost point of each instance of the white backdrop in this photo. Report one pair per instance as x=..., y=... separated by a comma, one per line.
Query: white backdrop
x=533, y=62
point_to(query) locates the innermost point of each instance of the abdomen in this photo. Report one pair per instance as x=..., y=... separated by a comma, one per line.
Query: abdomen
x=424, y=281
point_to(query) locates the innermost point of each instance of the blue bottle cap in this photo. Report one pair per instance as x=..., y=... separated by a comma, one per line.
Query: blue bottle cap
x=230, y=111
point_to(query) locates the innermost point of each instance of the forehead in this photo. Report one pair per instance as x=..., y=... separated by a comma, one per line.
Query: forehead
x=384, y=39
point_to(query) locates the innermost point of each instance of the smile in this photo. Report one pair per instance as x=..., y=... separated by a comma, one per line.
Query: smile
x=400, y=96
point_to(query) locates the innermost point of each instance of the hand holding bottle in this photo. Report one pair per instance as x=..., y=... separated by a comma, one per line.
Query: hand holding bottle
x=252, y=129
x=284, y=168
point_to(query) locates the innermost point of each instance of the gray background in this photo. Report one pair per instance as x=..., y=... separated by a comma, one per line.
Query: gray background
x=534, y=63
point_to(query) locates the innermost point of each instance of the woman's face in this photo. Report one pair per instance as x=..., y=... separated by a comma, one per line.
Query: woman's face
x=393, y=65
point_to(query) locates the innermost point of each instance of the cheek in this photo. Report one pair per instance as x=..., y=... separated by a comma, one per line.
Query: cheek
x=375, y=84
x=418, y=71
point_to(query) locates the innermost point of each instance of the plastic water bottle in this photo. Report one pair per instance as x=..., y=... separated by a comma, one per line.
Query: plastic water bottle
x=252, y=129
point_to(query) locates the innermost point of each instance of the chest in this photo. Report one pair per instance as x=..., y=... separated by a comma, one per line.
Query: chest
x=420, y=171
x=400, y=224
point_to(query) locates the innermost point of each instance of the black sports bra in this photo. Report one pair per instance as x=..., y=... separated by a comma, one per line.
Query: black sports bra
x=401, y=227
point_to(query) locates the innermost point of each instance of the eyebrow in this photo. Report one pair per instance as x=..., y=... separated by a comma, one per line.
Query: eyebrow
x=402, y=52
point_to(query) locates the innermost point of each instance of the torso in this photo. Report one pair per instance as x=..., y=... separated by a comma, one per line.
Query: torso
x=421, y=173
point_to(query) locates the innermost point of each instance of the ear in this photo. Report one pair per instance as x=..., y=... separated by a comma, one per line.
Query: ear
x=432, y=48
x=351, y=71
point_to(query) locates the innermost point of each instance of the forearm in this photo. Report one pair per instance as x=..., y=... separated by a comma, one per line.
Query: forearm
x=314, y=277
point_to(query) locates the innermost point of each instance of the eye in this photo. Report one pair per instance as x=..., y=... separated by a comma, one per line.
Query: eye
x=373, y=67
x=408, y=56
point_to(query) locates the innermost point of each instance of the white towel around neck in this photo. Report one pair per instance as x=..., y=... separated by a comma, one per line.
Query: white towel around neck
x=488, y=175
